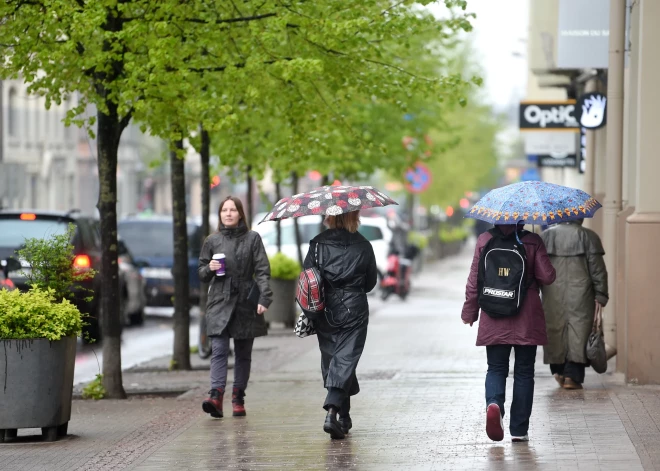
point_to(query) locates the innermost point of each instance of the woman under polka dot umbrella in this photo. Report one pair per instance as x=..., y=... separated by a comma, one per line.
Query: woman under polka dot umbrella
x=534, y=203
x=328, y=200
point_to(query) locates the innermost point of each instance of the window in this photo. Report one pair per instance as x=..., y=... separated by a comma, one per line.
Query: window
x=371, y=233
x=12, y=125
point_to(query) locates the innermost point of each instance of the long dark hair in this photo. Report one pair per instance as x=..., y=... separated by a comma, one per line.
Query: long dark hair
x=239, y=207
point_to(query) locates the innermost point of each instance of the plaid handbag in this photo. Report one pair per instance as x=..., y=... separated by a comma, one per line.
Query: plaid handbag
x=309, y=292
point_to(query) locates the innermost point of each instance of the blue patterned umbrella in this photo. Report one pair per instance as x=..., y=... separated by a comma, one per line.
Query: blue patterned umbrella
x=534, y=203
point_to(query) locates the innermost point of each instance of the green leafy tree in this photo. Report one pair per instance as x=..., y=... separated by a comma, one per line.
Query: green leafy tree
x=216, y=62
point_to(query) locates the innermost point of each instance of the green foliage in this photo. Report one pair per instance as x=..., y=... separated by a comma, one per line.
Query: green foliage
x=283, y=267
x=37, y=314
x=51, y=261
x=94, y=389
x=418, y=239
x=194, y=349
x=451, y=234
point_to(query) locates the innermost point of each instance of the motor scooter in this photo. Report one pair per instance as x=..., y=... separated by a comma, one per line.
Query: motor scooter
x=397, y=277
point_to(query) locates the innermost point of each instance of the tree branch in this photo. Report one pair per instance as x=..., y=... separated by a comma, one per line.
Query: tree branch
x=243, y=19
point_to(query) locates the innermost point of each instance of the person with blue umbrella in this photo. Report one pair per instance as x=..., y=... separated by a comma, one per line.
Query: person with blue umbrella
x=502, y=292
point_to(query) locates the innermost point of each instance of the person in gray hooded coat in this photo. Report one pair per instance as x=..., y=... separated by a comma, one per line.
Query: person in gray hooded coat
x=229, y=311
x=571, y=303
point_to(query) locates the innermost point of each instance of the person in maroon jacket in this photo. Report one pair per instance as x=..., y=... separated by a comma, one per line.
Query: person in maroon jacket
x=522, y=333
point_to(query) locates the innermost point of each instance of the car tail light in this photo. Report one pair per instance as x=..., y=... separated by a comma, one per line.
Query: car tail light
x=82, y=262
x=28, y=217
x=7, y=283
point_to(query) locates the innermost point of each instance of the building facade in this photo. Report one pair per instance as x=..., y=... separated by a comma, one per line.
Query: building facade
x=622, y=167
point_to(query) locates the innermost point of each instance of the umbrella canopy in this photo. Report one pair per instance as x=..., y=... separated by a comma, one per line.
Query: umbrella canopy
x=534, y=203
x=328, y=200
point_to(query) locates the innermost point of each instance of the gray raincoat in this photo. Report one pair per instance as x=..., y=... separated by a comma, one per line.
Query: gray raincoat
x=246, y=263
x=569, y=303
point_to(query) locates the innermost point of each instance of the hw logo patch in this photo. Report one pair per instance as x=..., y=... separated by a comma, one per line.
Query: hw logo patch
x=499, y=293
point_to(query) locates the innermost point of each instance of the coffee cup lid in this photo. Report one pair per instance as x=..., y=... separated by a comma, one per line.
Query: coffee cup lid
x=218, y=255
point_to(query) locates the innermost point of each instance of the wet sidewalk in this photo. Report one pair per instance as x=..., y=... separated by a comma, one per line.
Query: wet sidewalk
x=421, y=407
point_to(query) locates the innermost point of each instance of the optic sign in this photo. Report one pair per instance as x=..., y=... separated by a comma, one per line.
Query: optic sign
x=591, y=111
x=418, y=179
x=548, y=116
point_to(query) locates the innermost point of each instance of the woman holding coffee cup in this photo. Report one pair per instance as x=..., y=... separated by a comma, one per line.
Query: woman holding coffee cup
x=234, y=261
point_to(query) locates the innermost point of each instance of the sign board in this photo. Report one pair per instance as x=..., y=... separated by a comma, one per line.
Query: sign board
x=583, y=31
x=418, y=179
x=548, y=116
x=560, y=160
x=582, y=156
x=591, y=110
x=546, y=143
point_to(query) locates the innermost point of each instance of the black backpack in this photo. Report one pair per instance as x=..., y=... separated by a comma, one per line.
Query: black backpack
x=502, y=280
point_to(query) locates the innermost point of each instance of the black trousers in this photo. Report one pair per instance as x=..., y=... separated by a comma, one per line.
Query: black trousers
x=572, y=370
x=338, y=399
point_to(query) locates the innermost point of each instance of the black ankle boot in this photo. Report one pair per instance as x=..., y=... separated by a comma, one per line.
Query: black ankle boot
x=331, y=425
x=345, y=423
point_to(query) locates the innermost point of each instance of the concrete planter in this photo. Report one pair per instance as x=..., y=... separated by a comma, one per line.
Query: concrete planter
x=36, y=384
x=283, y=307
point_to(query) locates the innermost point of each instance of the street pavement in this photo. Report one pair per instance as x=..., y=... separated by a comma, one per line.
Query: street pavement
x=421, y=407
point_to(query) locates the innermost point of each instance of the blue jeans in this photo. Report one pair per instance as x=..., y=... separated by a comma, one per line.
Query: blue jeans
x=523, y=383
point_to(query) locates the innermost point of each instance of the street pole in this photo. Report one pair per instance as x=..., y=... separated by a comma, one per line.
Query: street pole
x=614, y=161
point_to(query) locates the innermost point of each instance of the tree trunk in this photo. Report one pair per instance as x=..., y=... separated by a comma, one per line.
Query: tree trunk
x=181, y=354
x=250, y=196
x=278, y=197
x=109, y=132
x=205, y=156
x=294, y=184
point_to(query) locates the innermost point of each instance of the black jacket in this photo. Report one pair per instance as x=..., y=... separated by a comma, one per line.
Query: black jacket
x=348, y=266
x=227, y=304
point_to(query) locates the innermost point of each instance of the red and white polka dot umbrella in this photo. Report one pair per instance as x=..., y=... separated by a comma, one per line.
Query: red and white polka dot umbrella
x=328, y=200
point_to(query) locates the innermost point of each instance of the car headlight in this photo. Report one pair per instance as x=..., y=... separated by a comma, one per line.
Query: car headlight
x=159, y=273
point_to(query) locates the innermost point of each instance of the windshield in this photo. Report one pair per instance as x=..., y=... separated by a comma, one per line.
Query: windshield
x=13, y=232
x=371, y=233
x=153, y=239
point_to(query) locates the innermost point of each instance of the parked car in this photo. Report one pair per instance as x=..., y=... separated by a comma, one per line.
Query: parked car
x=134, y=295
x=16, y=226
x=151, y=243
x=374, y=229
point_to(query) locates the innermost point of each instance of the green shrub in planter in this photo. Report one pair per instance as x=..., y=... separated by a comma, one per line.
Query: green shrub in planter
x=452, y=234
x=37, y=314
x=38, y=336
x=283, y=267
x=418, y=239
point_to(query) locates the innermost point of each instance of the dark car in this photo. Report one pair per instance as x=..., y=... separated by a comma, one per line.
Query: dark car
x=151, y=242
x=16, y=226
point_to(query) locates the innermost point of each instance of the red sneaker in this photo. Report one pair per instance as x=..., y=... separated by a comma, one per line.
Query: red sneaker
x=237, y=402
x=494, y=423
x=213, y=405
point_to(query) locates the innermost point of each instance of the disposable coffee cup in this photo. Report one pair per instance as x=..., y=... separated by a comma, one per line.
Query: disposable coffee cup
x=220, y=257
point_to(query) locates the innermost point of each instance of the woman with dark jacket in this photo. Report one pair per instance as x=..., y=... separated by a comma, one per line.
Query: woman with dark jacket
x=348, y=267
x=229, y=312
x=522, y=333
x=571, y=303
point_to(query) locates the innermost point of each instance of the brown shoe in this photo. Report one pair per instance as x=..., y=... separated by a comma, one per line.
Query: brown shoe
x=213, y=405
x=560, y=379
x=238, y=403
x=570, y=384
